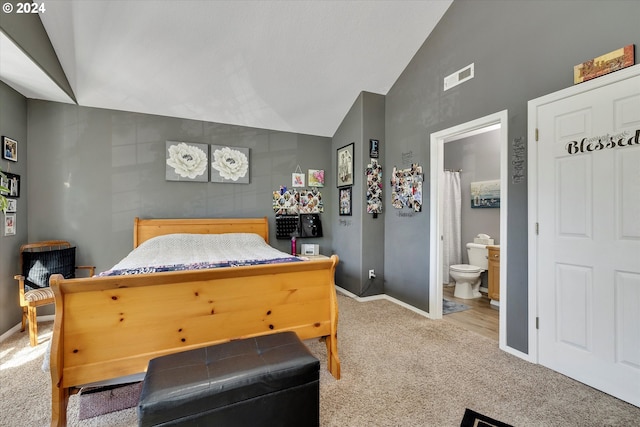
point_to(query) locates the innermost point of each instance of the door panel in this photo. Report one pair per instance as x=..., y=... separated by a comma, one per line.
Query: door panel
x=588, y=247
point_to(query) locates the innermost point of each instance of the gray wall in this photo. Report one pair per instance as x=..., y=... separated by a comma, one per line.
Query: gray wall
x=13, y=123
x=93, y=170
x=479, y=158
x=521, y=50
x=359, y=238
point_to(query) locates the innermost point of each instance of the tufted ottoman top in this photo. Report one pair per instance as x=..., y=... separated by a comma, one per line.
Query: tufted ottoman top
x=207, y=378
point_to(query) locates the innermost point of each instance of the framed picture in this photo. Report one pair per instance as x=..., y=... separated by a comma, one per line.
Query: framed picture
x=187, y=161
x=297, y=179
x=316, y=178
x=485, y=194
x=374, y=148
x=12, y=182
x=229, y=164
x=345, y=166
x=12, y=205
x=9, y=224
x=345, y=200
x=9, y=149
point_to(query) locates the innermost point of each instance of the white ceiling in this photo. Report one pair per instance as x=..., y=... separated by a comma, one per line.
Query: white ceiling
x=285, y=65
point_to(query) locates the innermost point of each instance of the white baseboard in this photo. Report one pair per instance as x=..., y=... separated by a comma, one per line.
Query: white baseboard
x=49, y=317
x=384, y=297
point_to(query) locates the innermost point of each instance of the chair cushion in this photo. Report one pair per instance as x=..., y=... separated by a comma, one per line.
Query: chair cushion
x=38, y=295
x=37, y=267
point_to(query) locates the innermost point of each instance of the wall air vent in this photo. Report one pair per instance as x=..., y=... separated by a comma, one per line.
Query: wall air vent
x=458, y=77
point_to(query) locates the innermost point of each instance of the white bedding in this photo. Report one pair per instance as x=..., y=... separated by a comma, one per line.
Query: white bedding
x=187, y=249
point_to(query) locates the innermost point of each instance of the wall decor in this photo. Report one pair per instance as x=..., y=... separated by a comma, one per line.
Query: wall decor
x=345, y=200
x=374, y=148
x=187, y=161
x=229, y=164
x=406, y=187
x=297, y=178
x=9, y=224
x=374, y=187
x=604, y=64
x=12, y=182
x=9, y=149
x=286, y=202
x=345, y=166
x=311, y=201
x=12, y=205
x=316, y=177
x=292, y=202
x=485, y=194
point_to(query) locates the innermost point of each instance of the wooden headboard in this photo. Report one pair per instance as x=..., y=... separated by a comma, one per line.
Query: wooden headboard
x=145, y=229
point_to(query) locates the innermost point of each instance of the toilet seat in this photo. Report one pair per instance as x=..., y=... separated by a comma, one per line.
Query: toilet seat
x=466, y=268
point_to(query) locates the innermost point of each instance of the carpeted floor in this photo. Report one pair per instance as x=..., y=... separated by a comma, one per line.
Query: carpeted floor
x=398, y=369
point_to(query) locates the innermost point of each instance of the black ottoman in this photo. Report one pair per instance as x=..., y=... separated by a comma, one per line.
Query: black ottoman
x=271, y=380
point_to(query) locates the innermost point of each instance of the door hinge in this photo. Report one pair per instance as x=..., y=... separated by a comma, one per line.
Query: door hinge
x=536, y=134
x=537, y=323
x=537, y=228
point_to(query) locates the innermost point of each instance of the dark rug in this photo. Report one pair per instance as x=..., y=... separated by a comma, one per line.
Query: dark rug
x=452, y=307
x=474, y=419
x=96, y=401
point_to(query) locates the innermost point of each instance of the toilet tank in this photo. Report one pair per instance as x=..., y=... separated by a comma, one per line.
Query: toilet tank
x=478, y=255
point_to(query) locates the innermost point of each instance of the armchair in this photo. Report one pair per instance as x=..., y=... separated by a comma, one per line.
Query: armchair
x=38, y=261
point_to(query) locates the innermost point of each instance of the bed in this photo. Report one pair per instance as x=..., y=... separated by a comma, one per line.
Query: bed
x=108, y=327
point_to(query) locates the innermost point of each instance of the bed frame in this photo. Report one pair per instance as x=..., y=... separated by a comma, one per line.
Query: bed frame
x=110, y=327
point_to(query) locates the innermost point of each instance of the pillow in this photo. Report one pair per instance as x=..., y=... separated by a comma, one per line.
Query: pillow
x=37, y=267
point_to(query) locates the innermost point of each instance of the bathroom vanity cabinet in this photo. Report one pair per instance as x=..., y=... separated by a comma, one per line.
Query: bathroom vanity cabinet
x=494, y=273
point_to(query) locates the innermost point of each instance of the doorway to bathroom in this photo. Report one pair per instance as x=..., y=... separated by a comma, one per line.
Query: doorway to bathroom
x=497, y=124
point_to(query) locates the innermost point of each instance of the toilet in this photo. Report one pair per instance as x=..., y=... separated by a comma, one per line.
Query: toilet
x=467, y=276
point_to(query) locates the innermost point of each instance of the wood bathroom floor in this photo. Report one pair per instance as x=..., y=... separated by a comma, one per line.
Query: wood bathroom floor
x=482, y=317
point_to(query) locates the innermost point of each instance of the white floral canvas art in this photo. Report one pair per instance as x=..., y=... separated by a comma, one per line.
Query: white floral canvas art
x=229, y=164
x=187, y=161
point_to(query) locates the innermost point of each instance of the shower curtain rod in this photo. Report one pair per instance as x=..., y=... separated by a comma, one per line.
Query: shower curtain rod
x=453, y=170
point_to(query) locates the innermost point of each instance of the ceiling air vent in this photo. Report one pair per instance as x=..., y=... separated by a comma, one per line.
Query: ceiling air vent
x=458, y=77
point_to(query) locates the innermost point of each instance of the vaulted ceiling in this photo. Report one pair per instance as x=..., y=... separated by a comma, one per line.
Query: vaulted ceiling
x=285, y=65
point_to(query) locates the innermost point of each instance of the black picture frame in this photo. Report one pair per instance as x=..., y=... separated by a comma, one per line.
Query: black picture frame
x=344, y=166
x=345, y=201
x=9, y=149
x=374, y=148
x=12, y=182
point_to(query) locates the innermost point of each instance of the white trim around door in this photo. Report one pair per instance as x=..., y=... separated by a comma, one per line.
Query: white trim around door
x=437, y=142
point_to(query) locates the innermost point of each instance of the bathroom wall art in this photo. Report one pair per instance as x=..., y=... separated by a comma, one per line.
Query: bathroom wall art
x=485, y=194
x=406, y=188
x=229, y=164
x=187, y=161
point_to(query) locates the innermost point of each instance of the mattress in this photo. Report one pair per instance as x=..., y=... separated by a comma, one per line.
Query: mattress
x=177, y=252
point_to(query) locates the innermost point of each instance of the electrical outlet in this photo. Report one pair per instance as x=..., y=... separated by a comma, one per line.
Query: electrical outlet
x=372, y=274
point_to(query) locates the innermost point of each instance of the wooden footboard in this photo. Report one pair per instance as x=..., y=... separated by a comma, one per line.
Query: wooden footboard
x=110, y=327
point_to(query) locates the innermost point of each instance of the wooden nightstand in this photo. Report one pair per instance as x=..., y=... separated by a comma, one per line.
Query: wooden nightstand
x=313, y=257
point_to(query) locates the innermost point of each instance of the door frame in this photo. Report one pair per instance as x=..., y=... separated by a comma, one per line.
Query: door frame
x=532, y=187
x=438, y=139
